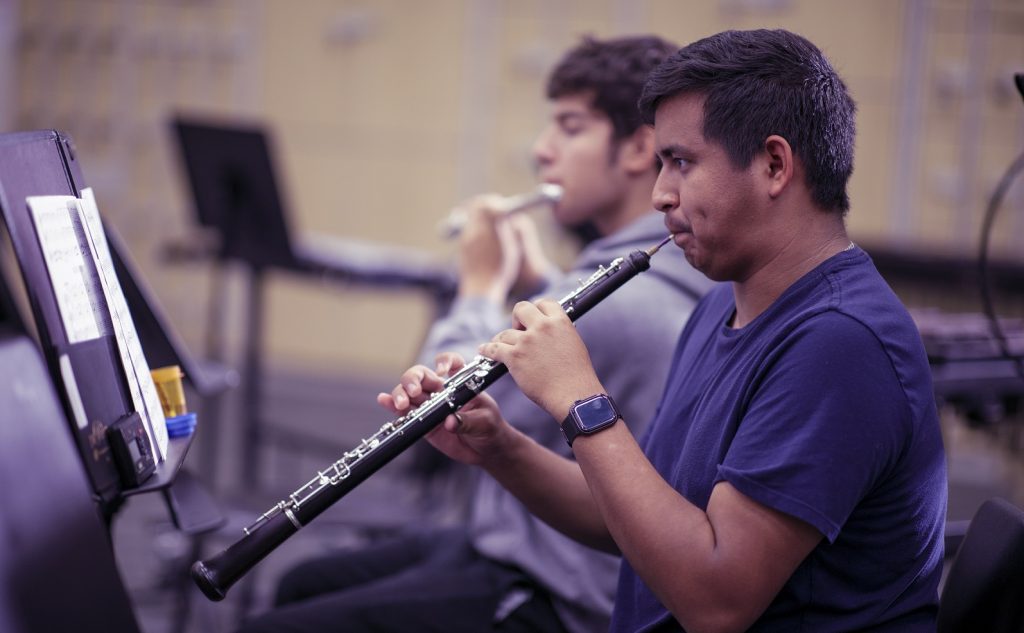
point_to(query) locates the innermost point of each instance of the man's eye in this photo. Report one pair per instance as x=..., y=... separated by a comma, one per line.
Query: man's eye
x=681, y=163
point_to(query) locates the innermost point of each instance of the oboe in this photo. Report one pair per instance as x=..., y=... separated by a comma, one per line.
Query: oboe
x=216, y=575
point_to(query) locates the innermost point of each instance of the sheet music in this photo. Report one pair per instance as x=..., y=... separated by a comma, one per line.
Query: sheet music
x=89, y=295
x=140, y=381
x=76, y=285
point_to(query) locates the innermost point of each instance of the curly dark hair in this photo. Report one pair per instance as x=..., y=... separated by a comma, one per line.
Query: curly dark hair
x=764, y=82
x=613, y=71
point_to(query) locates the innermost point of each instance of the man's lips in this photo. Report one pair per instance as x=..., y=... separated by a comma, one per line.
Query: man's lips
x=677, y=229
x=681, y=233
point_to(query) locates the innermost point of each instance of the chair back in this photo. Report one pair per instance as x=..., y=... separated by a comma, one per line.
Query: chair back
x=57, y=566
x=984, y=589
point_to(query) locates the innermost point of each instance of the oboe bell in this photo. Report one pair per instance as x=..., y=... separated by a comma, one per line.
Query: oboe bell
x=545, y=193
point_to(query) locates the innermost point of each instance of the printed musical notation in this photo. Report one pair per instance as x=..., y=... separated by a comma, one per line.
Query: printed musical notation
x=90, y=298
x=79, y=296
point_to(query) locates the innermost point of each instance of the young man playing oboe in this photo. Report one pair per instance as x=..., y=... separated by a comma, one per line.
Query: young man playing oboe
x=505, y=570
x=793, y=477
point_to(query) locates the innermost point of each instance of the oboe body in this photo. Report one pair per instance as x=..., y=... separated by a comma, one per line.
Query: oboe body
x=215, y=575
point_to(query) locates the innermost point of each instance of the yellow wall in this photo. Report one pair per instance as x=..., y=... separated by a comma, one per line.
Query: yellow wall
x=386, y=113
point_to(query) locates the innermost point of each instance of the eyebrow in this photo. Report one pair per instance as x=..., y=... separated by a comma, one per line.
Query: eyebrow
x=565, y=116
x=673, y=149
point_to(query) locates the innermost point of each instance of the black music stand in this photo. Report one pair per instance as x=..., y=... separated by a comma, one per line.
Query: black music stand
x=57, y=568
x=44, y=163
x=237, y=194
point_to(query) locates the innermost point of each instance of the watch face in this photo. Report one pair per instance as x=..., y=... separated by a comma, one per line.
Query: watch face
x=595, y=413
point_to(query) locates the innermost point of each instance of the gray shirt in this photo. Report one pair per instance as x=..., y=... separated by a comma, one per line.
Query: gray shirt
x=630, y=336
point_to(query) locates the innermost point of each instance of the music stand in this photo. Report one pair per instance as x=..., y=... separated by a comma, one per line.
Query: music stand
x=57, y=568
x=231, y=173
x=44, y=163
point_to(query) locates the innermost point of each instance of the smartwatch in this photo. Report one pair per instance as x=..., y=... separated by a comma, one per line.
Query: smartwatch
x=589, y=416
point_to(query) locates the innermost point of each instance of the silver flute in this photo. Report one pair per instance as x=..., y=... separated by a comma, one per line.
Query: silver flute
x=546, y=193
x=215, y=575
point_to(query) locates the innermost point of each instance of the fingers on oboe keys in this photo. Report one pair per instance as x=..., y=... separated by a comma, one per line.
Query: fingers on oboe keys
x=418, y=382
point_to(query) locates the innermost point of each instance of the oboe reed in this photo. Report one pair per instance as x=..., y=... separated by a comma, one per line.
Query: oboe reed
x=654, y=249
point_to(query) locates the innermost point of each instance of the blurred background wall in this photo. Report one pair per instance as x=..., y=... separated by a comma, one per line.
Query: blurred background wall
x=386, y=113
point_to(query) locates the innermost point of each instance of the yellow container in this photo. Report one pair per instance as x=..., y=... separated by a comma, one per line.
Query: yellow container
x=168, y=387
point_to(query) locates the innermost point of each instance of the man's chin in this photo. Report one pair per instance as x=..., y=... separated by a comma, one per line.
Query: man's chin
x=584, y=230
x=697, y=265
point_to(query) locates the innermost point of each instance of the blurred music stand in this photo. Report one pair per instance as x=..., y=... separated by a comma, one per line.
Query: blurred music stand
x=236, y=194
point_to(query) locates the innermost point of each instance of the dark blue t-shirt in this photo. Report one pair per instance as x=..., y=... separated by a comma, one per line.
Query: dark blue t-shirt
x=821, y=408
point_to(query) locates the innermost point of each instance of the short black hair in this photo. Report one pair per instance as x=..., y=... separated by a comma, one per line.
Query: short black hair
x=763, y=82
x=613, y=71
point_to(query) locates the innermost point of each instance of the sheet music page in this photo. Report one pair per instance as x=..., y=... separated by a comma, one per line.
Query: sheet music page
x=76, y=285
x=117, y=314
x=144, y=394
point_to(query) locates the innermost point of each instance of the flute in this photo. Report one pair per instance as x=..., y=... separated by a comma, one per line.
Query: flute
x=215, y=575
x=546, y=193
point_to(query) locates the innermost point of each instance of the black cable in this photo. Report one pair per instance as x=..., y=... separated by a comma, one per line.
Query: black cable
x=986, y=233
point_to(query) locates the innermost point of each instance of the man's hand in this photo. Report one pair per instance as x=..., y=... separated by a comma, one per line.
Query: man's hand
x=470, y=436
x=490, y=256
x=536, y=269
x=546, y=357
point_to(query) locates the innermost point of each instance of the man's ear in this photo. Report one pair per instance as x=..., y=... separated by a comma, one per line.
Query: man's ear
x=636, y=152
x=780, y=165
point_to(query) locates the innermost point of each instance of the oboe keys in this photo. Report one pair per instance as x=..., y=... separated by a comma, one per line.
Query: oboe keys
x=337, y=471
x=266, y=516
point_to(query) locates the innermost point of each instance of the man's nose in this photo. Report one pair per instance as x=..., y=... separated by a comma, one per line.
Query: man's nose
x=664, y=197
x=543, y=148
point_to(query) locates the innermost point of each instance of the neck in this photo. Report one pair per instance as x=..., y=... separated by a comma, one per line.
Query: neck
x=799, y=254
x=634, y=204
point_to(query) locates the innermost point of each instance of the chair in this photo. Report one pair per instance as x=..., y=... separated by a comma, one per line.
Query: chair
x=57, y=568
x=984, y=589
